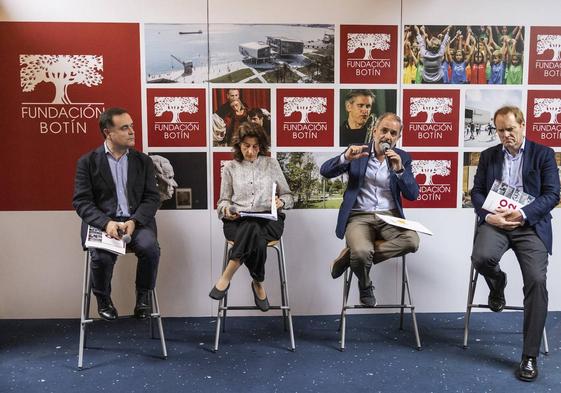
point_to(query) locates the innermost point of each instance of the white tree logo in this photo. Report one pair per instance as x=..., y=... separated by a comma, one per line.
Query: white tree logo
x=368, y=42
x=304, y=105
x=548, y=105
x=60, y=70
x=430, y=105
x=549, y=41
x=429, y=168
x=175, y=105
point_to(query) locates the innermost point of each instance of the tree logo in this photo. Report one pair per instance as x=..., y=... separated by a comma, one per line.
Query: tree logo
x=430, y=168
x=430, y=105
x=552, y=106
x=304, y=105
x=60, y=70
x=175, y=105
x=368, y=42
x=549, y=42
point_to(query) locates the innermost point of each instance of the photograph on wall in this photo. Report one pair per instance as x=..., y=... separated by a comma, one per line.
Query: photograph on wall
x=437, y=174
x=309, y=188
x=234, y=106
x=471, y=160
x=359, y=109
x=305, y=117
x=219, y=159
x=271, y=53
x=181, y=179
x=54, y=91
x=176, y=117
x=176, y=53
x=480, y=107
x=463, y=54
x=545, y=55
x=543, y=120
x=368, y=54
x=431, y=117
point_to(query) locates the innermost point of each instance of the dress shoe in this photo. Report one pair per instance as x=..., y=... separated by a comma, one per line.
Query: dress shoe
x=341, y=263
x=528, y=369
x=143, y=307
x=105, y=308
x=262, y=304
x=367, y=297
x=496, y=299
x=217, y=294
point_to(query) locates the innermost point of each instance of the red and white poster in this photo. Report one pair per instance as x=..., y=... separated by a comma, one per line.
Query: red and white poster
x=57, y=78
x=218, y=161
x=176, y=117
x=430, y=117
x=545, y=55
x=543, y=123
x=305, y=117
x=437, y=174
x=368, y=54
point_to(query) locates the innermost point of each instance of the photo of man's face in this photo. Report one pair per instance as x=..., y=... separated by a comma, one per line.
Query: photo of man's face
x=358, y=109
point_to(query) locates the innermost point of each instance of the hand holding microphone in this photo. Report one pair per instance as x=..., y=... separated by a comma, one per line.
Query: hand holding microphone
x=393, y=160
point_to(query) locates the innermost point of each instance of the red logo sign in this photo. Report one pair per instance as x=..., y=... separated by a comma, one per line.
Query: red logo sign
x=545, y=56
x=368, y=54
x=218, y=161
x=430, y=117
x=54, y=92
x=304, y=117
x=543, y=123
x=436, y=173
x=176, y=117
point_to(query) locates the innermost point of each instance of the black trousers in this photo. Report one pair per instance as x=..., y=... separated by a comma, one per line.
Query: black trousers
x=250, y=236
x=147, y=250
x=489, y=246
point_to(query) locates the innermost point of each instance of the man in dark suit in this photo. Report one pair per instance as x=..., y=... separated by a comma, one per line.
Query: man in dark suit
x=379, y=175
x=115, y=190
x=529, y=167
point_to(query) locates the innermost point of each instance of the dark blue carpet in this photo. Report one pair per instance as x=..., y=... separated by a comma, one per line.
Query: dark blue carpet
x=41, y=356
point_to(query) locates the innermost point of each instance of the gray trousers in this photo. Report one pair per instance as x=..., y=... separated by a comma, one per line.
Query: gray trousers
x=489, y=246
x=363, y=229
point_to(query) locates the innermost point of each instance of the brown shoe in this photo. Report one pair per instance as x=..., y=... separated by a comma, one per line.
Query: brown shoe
x=341, y=263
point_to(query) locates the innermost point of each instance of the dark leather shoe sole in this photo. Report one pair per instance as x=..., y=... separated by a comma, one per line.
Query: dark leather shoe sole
x=262, y=304
x=341, y=263
x=525, y=378
x=217, y=294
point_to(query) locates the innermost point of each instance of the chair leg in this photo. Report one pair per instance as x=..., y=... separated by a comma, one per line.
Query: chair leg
x=413, y=315
x=403, y=280
x=343, y=323
x=84, y=313
x=473, y=274
x=545, y=343
x=282, y=285
x=284, y=292
x=223, y=303
x=156, y=314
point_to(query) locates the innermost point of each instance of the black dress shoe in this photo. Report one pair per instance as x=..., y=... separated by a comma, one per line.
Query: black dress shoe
x=217, y=294
x=367, y=297
x=528, y=369
x=341, y=263
x=262, y=304
x=496, y=299
x=105, y=308
x=143, y=307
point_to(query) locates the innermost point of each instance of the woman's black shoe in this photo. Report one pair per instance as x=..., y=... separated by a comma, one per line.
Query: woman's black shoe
x=263, y=305
x=217, y=294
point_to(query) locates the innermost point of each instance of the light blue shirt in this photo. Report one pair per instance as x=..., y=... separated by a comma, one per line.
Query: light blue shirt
x=375, y=193
x=512, y=167
x=119, y=170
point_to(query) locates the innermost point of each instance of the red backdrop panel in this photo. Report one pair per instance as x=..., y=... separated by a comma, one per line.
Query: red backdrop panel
x=545, y=55
x=543, y=123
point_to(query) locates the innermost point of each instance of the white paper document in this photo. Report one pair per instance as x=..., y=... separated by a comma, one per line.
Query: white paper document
x=403, y=223
x=503, y=195
x=96, y=238
x=272, y=215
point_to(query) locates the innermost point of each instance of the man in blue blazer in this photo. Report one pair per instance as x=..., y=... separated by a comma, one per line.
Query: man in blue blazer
x=379, y=175
x=529, y=167
x=115, y=190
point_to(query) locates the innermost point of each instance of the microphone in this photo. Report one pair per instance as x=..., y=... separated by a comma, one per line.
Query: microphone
x=124, y=236
x=385, y=146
